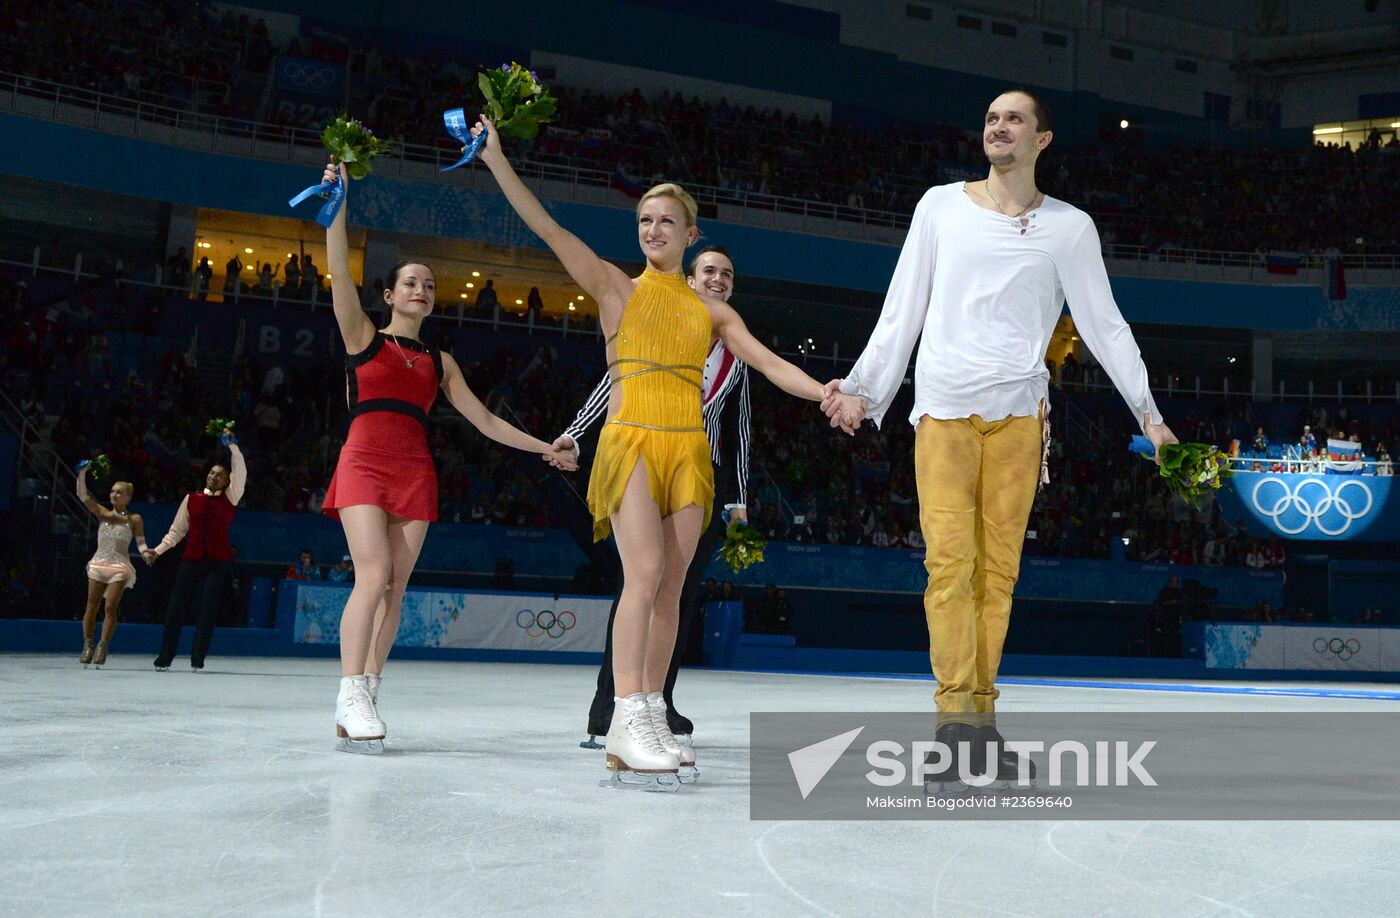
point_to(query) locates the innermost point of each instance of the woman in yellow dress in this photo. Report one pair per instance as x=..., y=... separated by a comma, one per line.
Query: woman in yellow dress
x=652, y=484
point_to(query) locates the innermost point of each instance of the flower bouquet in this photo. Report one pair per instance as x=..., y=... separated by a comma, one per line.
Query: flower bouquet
x=1191, y=470
x=221, y=428
x=743, y=546
x=100, y=467
x=516, y=102
x=349, y=142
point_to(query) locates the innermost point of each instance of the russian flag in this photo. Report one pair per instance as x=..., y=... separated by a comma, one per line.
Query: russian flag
x=1343, y=457
x=1282, y=263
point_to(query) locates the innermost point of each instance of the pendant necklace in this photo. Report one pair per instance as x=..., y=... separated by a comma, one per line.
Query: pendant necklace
x=1021, y=217
x=406, y=362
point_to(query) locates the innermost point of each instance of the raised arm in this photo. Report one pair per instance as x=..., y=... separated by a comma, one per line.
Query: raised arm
x=356, y=329
x=454, y=384
x=96, y=509
x=238, y=470
x=606, y=283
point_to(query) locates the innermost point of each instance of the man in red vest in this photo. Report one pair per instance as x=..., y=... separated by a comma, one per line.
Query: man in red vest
x=207, y=565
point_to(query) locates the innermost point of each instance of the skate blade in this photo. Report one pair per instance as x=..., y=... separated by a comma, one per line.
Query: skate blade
x=360, y=747
x=633, y=781
x=591, y=743
x=687, y=774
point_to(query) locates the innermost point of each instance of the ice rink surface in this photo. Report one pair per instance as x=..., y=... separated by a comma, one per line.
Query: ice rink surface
x=131, y=792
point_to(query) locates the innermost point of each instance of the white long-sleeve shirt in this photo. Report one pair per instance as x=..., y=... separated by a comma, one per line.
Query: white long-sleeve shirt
x=985, y=297
x=237, y=481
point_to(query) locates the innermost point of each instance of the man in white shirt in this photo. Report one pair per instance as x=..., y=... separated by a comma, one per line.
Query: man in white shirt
x=983, y=276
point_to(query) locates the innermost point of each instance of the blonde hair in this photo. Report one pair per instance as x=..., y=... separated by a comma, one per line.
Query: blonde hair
x=672, y=190
x=127, y=487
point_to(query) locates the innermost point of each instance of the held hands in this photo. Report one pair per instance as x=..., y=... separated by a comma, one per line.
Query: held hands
x=563, y=455
x=490, y=153
x=845, y=411
x=149, y=556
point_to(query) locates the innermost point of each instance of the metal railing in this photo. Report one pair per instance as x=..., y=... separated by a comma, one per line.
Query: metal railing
x=215, y=133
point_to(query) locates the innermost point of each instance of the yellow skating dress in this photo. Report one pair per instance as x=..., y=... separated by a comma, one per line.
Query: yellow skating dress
x=657, y=360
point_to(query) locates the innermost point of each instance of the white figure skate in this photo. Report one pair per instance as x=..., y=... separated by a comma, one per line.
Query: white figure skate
x=356, y=724
x=686, y=772
x=635, y=755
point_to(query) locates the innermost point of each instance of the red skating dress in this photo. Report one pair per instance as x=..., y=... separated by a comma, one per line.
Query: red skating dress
x=385, y=460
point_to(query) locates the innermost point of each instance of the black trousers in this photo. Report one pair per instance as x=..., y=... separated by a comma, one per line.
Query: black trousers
x=601, y=711
x=199, y=586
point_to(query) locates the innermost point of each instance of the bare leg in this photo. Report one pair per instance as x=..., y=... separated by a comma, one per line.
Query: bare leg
x=367, y=534
x=112, y=603
x=637, y=526
x=680, y=533
x=94, y=599
x=405, y=542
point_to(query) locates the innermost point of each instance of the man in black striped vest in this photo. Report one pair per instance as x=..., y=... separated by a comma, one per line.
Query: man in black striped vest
x=711, y=273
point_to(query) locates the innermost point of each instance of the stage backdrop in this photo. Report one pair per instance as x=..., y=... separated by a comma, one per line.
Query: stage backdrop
x=478, y=621
x=1314, y=507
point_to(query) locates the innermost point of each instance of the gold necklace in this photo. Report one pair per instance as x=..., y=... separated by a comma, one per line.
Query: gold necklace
x=406, y=362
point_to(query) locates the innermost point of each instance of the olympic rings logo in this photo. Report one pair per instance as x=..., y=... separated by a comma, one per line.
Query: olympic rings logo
x=311, y=75
x=1337, y=648
x=1305, y=513
x=545, y=622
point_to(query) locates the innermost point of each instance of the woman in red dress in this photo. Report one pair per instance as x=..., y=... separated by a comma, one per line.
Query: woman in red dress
x=384, y=491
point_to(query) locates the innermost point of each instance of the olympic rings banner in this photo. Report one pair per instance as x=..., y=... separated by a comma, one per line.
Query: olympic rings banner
x=1315, y=507
x=456, y=618
x=1302, y=648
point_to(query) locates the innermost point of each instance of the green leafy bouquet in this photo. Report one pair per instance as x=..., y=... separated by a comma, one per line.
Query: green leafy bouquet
x=99, y=467
x=743, y=546
x=217, y=426
x=516, y=101
x=1191, y=470
x=353, y=144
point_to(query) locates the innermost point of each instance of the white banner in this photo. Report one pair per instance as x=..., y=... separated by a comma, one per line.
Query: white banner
x=1302, y=647
x=456, y=618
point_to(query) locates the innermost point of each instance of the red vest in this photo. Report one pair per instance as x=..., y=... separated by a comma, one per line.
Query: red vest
x=210, y=519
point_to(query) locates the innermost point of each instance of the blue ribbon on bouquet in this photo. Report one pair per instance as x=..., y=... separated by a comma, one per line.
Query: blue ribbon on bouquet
x=335, y=196
x=1142, y=446
x=456, y=122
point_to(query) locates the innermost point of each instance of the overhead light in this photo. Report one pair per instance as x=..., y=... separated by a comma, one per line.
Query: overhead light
x=520, y=302
x=247, y=267
x=1335, y=130
x=476, y=274
x=1232, y=360
x=464, y=296
x=328, y=277
x=470, y=285
x=289, y=254
x=580, y=297
x=1395, y=124
x=1123, y=124
x=571, y=307
x=247, y=251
